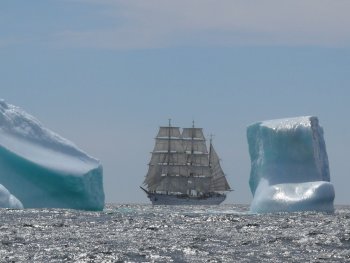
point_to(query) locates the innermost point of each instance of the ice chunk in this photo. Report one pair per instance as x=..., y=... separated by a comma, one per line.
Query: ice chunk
x=7, y=200
x=289, y=166
x=289, y=197
x=43, y=169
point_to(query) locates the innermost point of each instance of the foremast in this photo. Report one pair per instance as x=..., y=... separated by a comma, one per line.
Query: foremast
x=167, y=168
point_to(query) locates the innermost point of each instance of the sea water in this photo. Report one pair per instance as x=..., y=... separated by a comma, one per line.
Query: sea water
x=146, y=233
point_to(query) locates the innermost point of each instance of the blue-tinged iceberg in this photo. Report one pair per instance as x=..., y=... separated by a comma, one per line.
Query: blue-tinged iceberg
x=289, y=166
x=43, y=169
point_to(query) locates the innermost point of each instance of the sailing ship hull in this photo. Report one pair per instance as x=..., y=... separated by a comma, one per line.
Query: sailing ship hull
x=164, y=199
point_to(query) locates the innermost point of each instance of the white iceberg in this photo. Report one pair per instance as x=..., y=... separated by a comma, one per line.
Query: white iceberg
x=43, y=169
x=289, y=166
x=7, y=200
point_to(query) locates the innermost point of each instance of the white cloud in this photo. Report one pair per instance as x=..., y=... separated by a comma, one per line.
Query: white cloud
x=164, y=23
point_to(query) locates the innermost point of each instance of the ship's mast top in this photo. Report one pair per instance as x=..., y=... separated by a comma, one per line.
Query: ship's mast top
x=210, y=146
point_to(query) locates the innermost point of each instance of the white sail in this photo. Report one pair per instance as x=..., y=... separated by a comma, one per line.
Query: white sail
x=201, y=185
x=193, y=133
x=198, y=159
x=175, y=170
x=195, y=146
x=165, y=132
x=152, y=178
x=171, y=158
x=183, y=184
x=218, y=182
x=199, y=171
x=193, y=140
x=173, y=184
x=164, y=145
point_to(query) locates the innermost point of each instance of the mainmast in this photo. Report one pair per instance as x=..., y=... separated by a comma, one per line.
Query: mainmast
x=192, y=148
x=169, y=140
x=197, y=159
x=210, y=148
x=191, y=181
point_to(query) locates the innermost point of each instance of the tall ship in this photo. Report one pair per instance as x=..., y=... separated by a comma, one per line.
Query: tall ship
x=182, y=171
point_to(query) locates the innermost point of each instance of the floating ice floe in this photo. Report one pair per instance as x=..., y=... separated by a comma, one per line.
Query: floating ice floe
x=42, y=169
x=289, y=166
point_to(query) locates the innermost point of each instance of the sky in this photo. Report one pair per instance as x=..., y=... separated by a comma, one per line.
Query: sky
x=106, y=74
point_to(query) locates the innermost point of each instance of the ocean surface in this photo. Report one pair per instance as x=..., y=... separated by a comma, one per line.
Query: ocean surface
x=142, y=233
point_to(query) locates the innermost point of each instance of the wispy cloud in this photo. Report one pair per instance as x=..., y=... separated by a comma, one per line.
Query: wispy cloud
x=166, y=23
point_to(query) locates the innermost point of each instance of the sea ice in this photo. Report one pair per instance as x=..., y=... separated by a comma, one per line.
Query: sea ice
x=289, y=166
x=42, y=169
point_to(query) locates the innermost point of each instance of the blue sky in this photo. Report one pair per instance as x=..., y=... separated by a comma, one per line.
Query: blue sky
x=105, y=74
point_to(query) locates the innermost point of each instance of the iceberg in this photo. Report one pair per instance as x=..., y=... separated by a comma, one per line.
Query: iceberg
x=7, y=200
x=289, y=166
x=44, y=170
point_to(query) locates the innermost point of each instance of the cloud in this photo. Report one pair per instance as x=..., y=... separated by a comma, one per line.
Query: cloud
x=139, y=24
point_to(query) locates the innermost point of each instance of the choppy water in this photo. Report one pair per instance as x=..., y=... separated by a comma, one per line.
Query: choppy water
x=142, y=233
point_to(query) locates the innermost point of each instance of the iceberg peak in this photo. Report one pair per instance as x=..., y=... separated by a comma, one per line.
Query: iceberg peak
x=17, y=122
x=288, y=123
x=53, y=171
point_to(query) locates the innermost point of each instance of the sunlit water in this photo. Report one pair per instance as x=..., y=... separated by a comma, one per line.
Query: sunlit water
x=142, y=233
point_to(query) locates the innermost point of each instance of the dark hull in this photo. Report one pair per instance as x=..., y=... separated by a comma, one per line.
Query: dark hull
x=168, y=199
